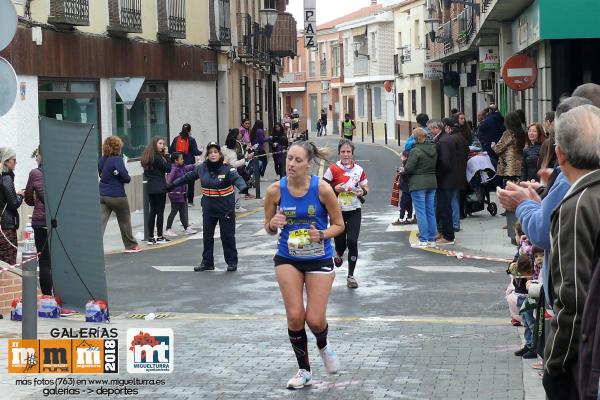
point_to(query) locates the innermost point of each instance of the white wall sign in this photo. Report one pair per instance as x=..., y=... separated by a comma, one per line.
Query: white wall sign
x=489, y=59
x=310, y=23
x=433, y=71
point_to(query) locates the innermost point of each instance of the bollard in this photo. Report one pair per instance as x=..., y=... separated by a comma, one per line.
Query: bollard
x=257, y=176
x=385, y=130
x=29, y=288
x=372, y=133
x=146, y=210
x=362, y=130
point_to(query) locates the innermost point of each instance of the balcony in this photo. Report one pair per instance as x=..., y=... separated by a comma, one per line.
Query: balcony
x=124, y=16
x=284, y=42
x=244, y=28
x=220, y=23
x=69, y=13
x=323, y=69
x=294, y=77
x=171, y=20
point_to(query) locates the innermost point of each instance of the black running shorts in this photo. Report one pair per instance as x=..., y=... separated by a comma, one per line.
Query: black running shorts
x=324, y=266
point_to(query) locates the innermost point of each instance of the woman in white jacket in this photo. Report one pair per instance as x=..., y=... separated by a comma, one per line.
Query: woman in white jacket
x=236, y=159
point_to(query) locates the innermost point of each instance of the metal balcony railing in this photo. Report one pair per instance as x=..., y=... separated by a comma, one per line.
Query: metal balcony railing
x=125, y=16
x=224, y=31
x=283, y=38
x=293, y=77
x=323, y=69
x=244, y=28
x=69, y=12
x=171, y=19
x=405, y=55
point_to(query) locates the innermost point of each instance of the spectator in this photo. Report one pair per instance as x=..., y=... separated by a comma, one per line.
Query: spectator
x=245, y=131
x=490, y=131
x=348, y=127
x=422, y=120
x=572, y=256
x=178, y=196
x=10, y=201
x=234, y=156
x=186, y=145
x=510, y=149
x=548, y=121
x=462, y=186
x=421, y=170
x=156, y=163
x=464, y=129
x=295, y=122
x=406, y=206
x=446, y=181
x=280, y=144
x=258, y=139
x=323, y=123
x=535, y=137
x=34, y=196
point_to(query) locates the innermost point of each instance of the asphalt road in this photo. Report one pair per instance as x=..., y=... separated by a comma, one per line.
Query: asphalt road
x=389, y=283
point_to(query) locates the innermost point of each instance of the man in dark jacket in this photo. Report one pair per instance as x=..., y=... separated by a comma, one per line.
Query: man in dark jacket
x=218, y=204
x=186, y=145
x=446, y=180
x=575, y=236
x=490, y=131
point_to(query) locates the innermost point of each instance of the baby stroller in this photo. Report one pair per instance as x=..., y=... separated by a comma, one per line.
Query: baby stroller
x=480, y=174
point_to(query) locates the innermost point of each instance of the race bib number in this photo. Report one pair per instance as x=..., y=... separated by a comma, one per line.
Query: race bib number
x=299, y=245
x=346, y=199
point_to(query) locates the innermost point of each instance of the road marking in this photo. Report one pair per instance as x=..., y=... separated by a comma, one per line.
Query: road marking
x=400, y=228
x=392, y=319
x=174, y=268
x=449, y=268
x=261, y=232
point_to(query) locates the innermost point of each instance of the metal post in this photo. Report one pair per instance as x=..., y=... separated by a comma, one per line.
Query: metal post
x=372, y=133
x=29, y=288
x=398, y=130
x=257, y=176
x=385, y=129
x=362, y=130
x=146, y=210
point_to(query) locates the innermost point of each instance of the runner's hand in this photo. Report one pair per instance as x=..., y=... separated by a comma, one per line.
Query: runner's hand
x=360, y=192
x=278, y=221
x=313, y=234
x=340, y=188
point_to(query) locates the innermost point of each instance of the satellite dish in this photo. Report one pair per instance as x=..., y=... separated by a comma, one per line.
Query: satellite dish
x=8, y=86
x=8, y=22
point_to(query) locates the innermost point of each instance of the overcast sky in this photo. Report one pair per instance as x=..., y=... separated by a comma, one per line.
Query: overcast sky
x=328, y=10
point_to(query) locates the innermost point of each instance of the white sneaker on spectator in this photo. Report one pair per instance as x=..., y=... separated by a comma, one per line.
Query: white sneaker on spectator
x=170, y=233
x=240, y=210
x=190, y=231
x=419, y=245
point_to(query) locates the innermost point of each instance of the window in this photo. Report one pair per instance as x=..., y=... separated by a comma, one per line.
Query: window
x=417, y=34
x=299, y=63
x=401, y=104
x=75, y=101
x=148, y=117
x=312, y=64
x=244, y=98
x=413, y=101
x=423, y=99
x=373, y=46
x=335, y=61
x=361, y=102
x=325, y=101
x=377, y=102
x=346, y=50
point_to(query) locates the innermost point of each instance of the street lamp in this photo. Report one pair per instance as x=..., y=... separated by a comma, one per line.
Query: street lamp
x=268, y=17
x=357, y=46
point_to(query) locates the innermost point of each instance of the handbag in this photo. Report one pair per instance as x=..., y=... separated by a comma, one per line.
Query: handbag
x=396, y=192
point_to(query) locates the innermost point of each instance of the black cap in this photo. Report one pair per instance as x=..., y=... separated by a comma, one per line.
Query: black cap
x=186, y=128
x=212, y=144
x=451, y=122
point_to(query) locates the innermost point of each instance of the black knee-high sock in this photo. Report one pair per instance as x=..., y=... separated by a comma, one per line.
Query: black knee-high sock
x=351, y=265
x=322, y=337
x=299, y=343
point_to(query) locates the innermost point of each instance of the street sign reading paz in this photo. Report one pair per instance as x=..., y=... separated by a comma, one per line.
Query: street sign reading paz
x=310, y=23
x=519, y=72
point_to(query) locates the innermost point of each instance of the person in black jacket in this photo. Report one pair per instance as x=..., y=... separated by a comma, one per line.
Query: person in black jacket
x=280, y=144
x=10, y=201
x=186, y=145
x=218, y=205
x=156, y=163
x=490, y=131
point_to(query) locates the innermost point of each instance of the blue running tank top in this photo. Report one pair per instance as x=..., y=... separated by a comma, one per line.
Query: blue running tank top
x=301, y=213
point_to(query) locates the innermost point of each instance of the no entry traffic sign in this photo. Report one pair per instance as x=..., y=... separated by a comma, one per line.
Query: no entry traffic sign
x=519, y=72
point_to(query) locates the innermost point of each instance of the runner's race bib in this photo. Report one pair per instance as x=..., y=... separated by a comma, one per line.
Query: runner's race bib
x=346, y=199
x=299, y=245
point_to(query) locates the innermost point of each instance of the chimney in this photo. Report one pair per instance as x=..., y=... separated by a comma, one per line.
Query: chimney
x=373, y=2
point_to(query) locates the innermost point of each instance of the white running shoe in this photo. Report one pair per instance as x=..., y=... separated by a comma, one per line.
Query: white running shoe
x=330, y=359
x=419, y=245
x=190, y=231
x=301, y=379
x=170, y=233
x=240, y=210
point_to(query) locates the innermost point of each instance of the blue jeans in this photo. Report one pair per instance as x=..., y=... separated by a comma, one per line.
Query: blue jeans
x=528, y=321
x=456, y=210
x=424, y=203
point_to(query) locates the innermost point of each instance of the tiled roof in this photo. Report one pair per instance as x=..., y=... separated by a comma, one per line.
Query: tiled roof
x=363, y=12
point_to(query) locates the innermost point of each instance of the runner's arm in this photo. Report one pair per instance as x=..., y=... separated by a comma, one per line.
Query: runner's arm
x=271, y=202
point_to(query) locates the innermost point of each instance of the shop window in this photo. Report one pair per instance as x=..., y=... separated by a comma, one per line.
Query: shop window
x=377, y=101
x=74, y=101
x=148, y=117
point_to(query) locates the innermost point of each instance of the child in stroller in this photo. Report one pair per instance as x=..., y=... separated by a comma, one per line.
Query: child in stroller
x=480, y=174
